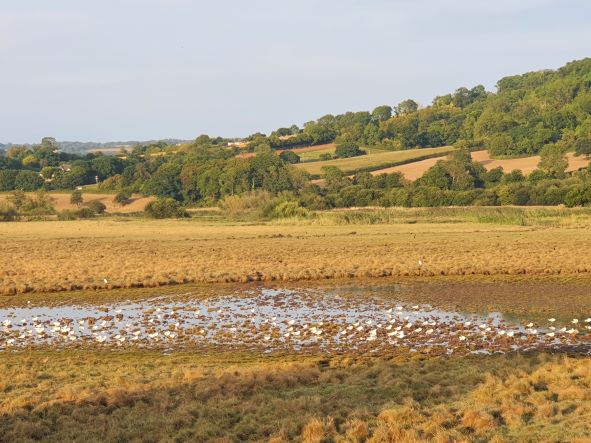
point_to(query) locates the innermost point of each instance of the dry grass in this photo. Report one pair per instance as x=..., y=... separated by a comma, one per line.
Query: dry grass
x=61, y=202
x=143, y=396
x=54, y=256
x=376, y=160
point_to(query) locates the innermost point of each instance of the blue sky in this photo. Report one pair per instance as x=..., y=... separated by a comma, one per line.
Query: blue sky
x=105, y=70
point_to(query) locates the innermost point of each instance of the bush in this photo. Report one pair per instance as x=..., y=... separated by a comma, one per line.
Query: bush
x=67, y=215
x=123, y=197
x=8, y=212
x=289, y=157
x=85, y=212
x=348, y=149
x=165, y=208
x=247, y=204
x=76, y=197
x=97, y=206
x=288, y=209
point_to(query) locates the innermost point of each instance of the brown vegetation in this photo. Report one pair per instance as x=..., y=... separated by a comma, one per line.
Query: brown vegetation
x=145, y=396
x=55, y=256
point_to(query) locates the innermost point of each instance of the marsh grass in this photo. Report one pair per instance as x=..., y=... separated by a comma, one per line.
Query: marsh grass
x=144, y=396
x=366, y=243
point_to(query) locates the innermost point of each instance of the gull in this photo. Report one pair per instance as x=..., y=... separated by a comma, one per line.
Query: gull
x=105, y=280
x=552, y=320
x=575, y=321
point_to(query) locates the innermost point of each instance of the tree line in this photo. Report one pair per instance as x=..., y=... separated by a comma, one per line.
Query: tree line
x=546, y=113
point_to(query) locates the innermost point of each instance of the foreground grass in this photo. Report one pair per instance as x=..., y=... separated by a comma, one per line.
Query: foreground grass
x=142, y=396
x=125, y=253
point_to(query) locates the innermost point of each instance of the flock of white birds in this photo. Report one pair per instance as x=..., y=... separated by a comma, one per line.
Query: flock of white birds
x=275, y=320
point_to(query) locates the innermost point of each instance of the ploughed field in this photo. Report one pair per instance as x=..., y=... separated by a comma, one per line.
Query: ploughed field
x=113, y=253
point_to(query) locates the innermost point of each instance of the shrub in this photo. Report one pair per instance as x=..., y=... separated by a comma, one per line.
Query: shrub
x=76, y=197
x=85, y=212
x=289, y=157
x=247, y=204
x=348, y=149
x=288, y=209
x=8, y=212
x=67, y=215
x=97, y=206
x=123, y=197
x=165, y=208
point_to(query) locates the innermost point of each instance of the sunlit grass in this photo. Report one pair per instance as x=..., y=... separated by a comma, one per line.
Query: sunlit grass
x=126, y=396
x=366, y=243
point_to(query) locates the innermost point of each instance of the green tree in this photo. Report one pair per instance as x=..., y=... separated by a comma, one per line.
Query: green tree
x=28, y=181
x=407, y=107
x=7, y=179
x=381, y=113
x=348, y=149
x=289, y=157
x=76, y=197
x=553, y=161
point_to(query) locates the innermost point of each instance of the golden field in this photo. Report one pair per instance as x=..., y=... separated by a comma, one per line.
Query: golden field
x=526, y=164
x=375, y=159
x=61, y=201
x=415, y=170
x=56, y=255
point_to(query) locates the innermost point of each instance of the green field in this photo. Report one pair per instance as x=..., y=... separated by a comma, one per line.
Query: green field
x=375, y=159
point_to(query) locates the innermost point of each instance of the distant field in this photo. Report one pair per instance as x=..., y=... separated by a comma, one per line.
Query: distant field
x=61, y=201
x=526, y=164
x=306, y=153
x=413, y=171
x=375, y=160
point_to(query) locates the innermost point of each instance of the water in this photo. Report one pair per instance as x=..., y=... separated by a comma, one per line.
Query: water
x=274, y=320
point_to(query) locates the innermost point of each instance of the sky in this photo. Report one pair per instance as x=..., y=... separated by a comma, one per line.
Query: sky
x=110, y=70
